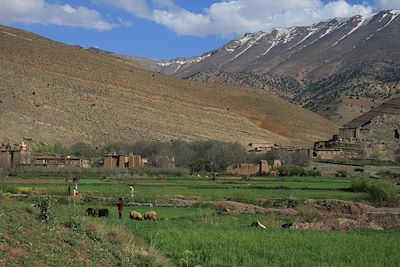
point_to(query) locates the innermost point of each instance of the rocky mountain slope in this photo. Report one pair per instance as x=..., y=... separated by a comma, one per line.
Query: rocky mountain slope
x=53, y=92
x=338, y=68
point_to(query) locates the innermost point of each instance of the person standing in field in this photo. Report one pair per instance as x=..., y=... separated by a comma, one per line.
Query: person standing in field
x=132, y=190
x=120, y=206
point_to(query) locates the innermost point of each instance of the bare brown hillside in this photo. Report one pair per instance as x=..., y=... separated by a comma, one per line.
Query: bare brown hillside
x=54, y=92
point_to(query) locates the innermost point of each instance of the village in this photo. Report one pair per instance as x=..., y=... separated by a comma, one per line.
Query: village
x=372, y=136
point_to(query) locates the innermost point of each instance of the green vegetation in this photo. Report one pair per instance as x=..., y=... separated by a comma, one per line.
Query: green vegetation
x=358, y=162
x=209, y=156
x=228, y=240
x=45, y=214
x=379, y=191
x=291, y=170
x=56, y=148
x=212, y=238
x=160, y=187
x=388, y=174
x=26, y=241
x=240, y=245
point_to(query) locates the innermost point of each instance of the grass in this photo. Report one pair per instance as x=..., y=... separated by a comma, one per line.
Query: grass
x=26, y=241
x=214, y=239
x=359, y=162
x=149, y=189
x=221, y=240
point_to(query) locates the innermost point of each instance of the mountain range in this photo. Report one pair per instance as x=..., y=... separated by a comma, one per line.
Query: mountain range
x=339, y=68
x=52, y=92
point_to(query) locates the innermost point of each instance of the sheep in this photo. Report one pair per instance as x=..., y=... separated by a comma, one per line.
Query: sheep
x=152, y=215
x=91, y=212
x=134, y=215
x=287, y=225
x=103, y=213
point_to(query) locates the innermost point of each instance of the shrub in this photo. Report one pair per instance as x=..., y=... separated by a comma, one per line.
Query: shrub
x=289, y=170
x=75, y=220
x=308, y=214
x=122, y=243
x=46, y=214
x=379, y=191
x=31, y=190
x=388, y=174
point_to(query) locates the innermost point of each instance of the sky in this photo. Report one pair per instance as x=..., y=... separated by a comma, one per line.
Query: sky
x=166, y=29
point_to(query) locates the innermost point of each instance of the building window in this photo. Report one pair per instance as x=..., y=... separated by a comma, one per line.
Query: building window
x=396, y=134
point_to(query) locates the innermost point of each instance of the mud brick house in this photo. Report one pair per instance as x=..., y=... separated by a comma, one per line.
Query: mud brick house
x=248, y=169
x=44, y=160
x=17, y=156
x=373, y=135
x=261, y=147
x=131, y=161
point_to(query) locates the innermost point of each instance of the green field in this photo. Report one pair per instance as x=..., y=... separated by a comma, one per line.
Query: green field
x=156, y=188
x=225, y=240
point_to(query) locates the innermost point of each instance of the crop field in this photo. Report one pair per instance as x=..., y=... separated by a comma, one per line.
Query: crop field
x=222, y=240
x=218, y=239
x=158, y=188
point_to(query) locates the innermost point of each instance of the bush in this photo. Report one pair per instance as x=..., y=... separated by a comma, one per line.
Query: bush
x=46, y=214
x=388, y=174
x=123, y=245
x=379, y=191
x=209, y=156
x=290, y=170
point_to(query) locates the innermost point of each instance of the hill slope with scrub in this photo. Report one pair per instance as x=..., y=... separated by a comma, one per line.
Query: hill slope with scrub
x=55, y=92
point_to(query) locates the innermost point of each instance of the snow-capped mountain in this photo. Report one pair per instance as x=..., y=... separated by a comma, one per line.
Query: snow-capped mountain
x=325, y=66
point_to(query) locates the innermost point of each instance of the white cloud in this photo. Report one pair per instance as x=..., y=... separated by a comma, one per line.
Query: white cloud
x=139, y=8
x=235, y=17
x=40, y=12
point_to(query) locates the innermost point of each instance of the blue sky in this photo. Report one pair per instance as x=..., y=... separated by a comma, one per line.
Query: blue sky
x=165, y=29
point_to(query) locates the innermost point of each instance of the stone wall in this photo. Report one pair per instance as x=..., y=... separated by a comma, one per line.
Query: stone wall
x=248, y=169
x=378, y=139
x=110, y=162
x=381, y=142
x=5, y=159
x=244, y=169
x=131, y=161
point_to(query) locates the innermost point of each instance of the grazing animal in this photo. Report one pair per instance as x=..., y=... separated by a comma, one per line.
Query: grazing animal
x=134, y=215
x=91, y=212
x=287, y=225
x=258, y=225
x=151, y=215
x=103, y=213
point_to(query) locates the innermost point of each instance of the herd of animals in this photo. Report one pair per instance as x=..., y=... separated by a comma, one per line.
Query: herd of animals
x=152, y=216
x=134, y=215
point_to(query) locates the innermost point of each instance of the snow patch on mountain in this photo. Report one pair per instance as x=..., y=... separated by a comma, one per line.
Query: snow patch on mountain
x=362, y=21
x=184, y=61
x=393, y=13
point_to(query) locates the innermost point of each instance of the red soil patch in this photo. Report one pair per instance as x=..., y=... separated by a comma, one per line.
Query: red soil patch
x=15, y=253
x=270, y=125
